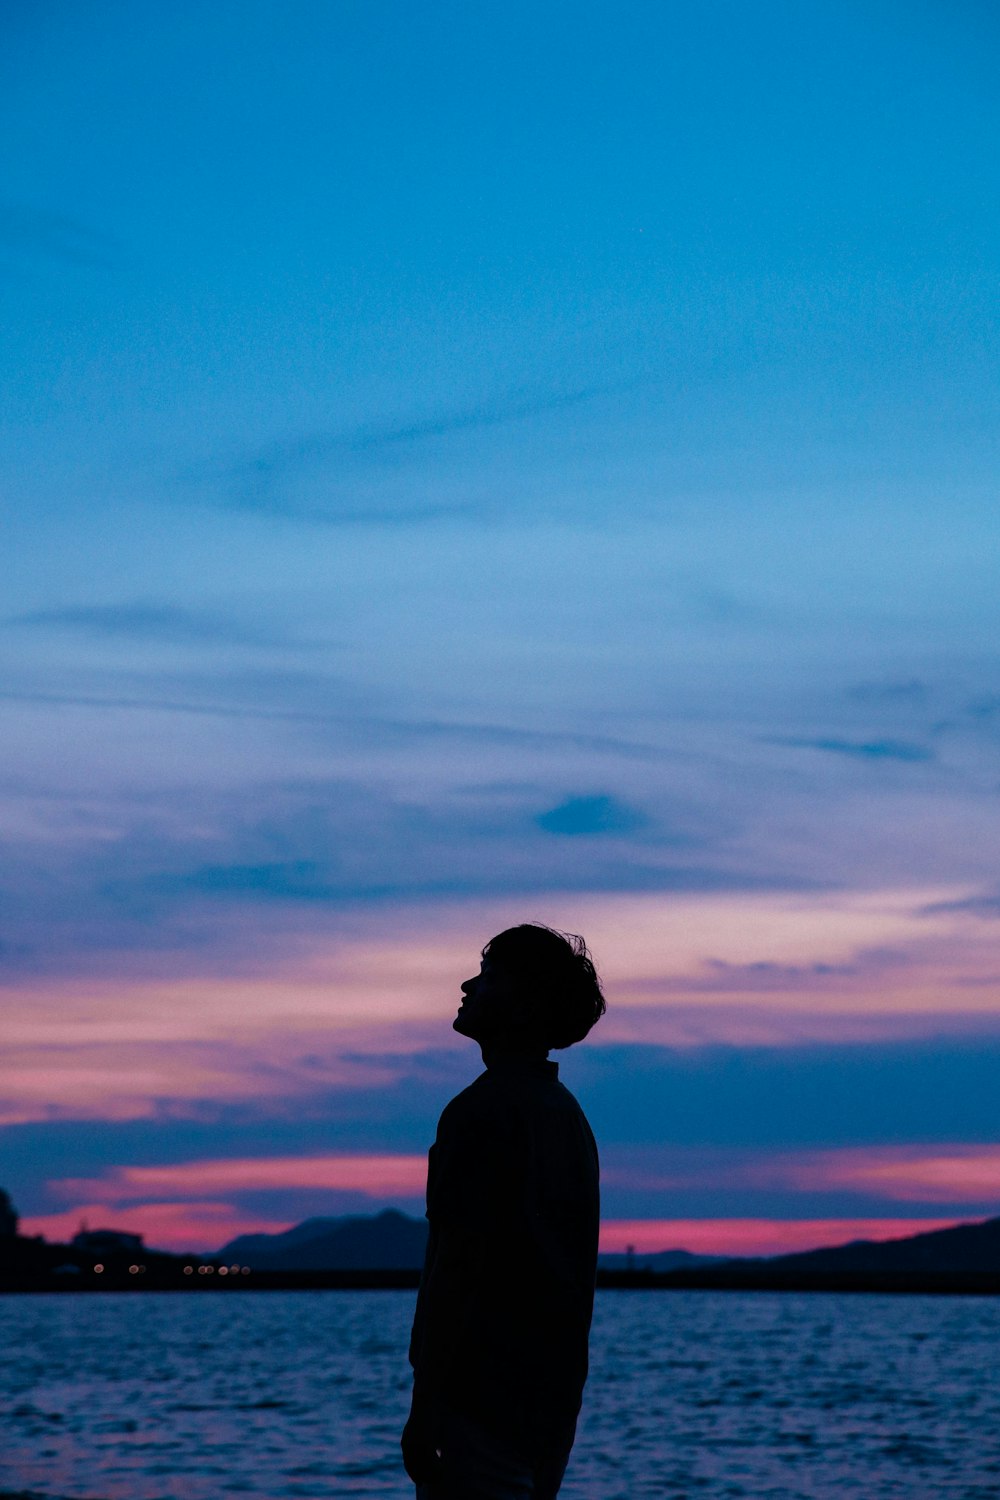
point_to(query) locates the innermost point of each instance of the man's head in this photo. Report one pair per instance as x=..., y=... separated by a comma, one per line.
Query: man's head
x=536, y=989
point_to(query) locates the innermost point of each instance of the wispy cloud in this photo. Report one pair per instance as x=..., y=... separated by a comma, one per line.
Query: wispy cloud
x=812, y=1096
x=264, y=480
x=963, y=1174
x=154, y=622
x=589, y=816
x=377, y=1174
x=986, y=905
x=766, y=976
x=889, y=693
x=35, y=233
x=871, y=750
x=386, y=731
x=183, y=879
x=956, y=1174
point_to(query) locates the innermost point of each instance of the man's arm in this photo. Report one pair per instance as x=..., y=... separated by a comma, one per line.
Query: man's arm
x=461, y=1195
x=437, y=1329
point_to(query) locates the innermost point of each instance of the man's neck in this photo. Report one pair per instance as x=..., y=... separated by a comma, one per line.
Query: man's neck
x=505, y=1051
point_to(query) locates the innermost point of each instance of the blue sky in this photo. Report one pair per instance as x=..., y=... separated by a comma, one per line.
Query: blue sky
x=466, y=463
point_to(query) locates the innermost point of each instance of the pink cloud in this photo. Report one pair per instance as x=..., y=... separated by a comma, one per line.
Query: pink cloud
x=183, y=1206
x=957, y=1174
x=753, y=1236
x=934, y=1174
x=322, y=1012
x=377, y=1175
x=831, y=966
x=758, y=1022
x=192, y=1227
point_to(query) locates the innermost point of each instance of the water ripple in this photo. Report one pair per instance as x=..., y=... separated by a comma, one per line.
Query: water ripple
x=301, y=1396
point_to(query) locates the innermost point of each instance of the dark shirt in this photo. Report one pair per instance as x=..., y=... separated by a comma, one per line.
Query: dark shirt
x=507, y=1293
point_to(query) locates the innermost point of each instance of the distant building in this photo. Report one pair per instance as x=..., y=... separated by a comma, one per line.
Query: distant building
x=107, y=1242
x=8, y=1215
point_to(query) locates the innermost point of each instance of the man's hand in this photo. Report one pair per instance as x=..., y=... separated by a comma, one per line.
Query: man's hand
x=420, y=1456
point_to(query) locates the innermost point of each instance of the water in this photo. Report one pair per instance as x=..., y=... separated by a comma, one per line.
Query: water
x=692, y=1394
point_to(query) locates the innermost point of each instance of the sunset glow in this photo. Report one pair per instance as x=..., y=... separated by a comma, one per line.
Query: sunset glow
x=475, y=470
x=737, y=1237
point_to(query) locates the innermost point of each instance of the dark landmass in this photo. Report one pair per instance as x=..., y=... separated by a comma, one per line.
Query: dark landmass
x=106, y=1261
x=961, y=1250
x=389, y=1241
x=963, y=1258
x=973, y=1248
x=386, y=1251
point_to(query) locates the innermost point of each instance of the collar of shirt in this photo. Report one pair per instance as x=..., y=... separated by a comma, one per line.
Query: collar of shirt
x=540, y=1066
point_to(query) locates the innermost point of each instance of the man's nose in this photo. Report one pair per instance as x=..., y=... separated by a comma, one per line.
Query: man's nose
x=467, y=985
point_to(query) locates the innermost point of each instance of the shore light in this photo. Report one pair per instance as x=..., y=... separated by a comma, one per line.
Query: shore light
x=133, y=1270
x=98, y=1269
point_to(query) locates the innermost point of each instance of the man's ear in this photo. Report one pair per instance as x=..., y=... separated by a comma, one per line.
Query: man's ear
x=523, y=1010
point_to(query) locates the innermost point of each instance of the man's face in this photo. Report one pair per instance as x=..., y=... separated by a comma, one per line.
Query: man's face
x=490, y=1005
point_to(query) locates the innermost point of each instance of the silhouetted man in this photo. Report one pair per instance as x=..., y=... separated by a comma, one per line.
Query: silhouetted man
x=499, y=1345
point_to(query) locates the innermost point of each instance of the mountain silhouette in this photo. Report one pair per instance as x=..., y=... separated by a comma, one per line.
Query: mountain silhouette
x=393, y=1241
x=389, y=1241
x=963, y=1248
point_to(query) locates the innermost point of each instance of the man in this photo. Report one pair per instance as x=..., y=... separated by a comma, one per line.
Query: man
x=499, y=1345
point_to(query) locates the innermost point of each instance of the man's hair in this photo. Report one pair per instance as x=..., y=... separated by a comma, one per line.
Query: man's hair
x=557, y=971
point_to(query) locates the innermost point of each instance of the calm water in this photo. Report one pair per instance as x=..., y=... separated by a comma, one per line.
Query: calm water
x=173, y=1397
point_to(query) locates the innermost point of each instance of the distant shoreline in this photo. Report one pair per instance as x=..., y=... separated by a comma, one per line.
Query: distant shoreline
x=740, y=1277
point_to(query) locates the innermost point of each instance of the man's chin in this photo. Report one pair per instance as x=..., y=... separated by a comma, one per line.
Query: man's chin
x=461, y=1025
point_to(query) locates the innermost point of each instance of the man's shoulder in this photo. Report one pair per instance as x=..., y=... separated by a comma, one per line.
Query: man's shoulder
x=495, y=1096
x=476, y=1101
x=568, y=1099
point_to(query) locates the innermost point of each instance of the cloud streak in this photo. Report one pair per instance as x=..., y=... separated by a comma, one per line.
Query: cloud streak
x=376, y=1175
x=957, y=1174
x=41, y=234
x=865, y=750
x=585, y=817
x=264, y=480
x=146, y=621
x=387, y=731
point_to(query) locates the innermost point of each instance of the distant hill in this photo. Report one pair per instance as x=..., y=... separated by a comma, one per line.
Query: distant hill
x=393, y=1241
x=964, y=1248
x=389, y=1241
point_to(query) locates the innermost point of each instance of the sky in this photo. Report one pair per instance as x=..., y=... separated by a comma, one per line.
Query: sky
x=472, y=464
